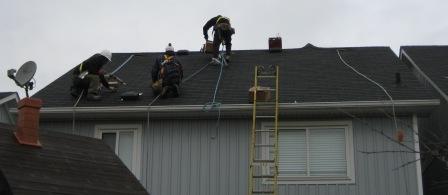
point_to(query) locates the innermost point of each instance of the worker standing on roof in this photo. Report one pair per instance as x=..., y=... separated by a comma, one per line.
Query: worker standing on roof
x=167, y=74
x=222, y=32
x=88, y=75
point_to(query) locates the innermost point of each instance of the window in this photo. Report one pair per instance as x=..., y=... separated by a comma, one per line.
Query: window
x=125, y=140
x=315, y=152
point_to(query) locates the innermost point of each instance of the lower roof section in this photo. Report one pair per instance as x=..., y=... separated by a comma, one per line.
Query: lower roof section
x=310, y=109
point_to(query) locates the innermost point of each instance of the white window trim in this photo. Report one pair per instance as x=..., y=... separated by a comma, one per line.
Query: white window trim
x=348, y=125
x=137, y=146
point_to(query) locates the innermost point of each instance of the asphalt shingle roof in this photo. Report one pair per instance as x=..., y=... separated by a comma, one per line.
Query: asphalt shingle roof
x=433, y=61
x=307, y=74
x=66, y=164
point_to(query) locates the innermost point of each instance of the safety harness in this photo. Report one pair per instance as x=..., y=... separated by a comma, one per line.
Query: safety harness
x=169, y=67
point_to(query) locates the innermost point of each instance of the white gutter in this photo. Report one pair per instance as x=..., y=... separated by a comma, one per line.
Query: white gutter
x=418, y=164
x=424, y=75
x=241, y=107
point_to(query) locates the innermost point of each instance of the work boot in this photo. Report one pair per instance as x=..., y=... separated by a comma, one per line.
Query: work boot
x=227, y=58
x=164, y=92
x=74, y=92
x=215, y=61
x=176, y=91
x=93, y=97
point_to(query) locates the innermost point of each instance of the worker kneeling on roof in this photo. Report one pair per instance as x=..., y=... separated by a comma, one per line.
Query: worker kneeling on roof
x=222, y=34
x=167, y=74
x=88, y=75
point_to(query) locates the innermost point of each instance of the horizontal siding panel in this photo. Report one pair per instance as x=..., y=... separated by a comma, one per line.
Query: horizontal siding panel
x=189, y=157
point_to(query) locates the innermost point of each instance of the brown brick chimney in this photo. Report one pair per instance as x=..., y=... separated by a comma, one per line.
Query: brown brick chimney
x=27, y=131
x=275, y=44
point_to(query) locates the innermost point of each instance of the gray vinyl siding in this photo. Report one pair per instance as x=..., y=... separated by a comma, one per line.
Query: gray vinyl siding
x=192, y=157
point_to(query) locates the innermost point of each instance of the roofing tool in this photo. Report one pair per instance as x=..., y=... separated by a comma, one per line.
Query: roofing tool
x=114, y=81
x=23, y=76
x=130, y=95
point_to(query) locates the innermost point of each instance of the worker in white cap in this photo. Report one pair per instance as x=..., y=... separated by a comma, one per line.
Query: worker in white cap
x=88, y=76
x=167, y=74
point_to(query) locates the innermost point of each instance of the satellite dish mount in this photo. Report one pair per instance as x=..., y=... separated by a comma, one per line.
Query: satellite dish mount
x=23, y=76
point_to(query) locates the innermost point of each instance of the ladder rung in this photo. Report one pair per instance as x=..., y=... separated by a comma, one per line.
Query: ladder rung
x=263, y=192
x=263, y=161
x=266, y=76
x=264, y=130
x=265, y=116
x=270, y=165
x=261, y=103
x=264, y=145
x=263, y=176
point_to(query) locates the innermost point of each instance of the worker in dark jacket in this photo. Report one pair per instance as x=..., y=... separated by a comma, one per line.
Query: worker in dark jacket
x=167, y=74
x=88, y=75
x=222, y=32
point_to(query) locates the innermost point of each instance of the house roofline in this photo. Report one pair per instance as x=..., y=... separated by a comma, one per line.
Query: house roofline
x=436, y=87
x=8, y=98
x=243, y=107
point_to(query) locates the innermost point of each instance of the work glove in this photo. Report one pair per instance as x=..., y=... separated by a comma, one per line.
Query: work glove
x=206, y=37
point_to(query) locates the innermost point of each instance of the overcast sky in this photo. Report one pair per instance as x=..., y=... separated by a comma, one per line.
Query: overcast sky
x=59, y=34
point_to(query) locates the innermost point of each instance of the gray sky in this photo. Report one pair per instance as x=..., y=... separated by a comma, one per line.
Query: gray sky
x=59, y=34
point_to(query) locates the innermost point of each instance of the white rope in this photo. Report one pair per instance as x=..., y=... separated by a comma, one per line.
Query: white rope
x=73, y=114
x=377, y=84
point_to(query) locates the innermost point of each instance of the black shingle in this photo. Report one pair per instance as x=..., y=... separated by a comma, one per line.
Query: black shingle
x=308, y=74
x=66, y=164
x=433, y=61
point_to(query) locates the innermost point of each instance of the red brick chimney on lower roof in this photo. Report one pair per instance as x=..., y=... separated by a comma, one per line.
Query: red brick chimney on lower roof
x=27, y=132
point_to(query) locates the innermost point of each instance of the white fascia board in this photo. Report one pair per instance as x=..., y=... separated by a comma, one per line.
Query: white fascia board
x=13, y=96
x=243, y=107
x=436, y=87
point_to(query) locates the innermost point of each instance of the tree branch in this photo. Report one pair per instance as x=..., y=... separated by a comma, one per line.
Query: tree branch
x=388, y=151
x=406, y=164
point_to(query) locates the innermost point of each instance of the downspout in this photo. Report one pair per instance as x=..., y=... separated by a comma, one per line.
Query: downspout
x=418, y=164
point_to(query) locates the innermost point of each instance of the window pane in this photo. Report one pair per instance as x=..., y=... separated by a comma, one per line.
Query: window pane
x=125, y=148
x=109, y=139
x=327, y=152
x=292, y=152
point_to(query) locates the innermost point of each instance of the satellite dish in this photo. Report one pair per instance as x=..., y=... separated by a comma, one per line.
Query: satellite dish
x=24, y=75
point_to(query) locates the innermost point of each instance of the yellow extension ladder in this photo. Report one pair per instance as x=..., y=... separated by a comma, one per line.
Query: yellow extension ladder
x=263, y=170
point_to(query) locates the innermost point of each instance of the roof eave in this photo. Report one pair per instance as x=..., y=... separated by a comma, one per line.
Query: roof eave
x=403, y=106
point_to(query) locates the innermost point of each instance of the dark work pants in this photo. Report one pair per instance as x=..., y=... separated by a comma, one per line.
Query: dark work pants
x=220, y=36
